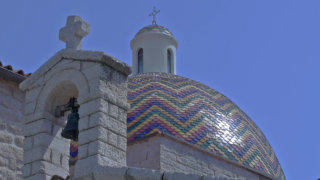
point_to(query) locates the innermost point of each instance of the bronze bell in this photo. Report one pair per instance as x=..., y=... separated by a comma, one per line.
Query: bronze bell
x=71, y=130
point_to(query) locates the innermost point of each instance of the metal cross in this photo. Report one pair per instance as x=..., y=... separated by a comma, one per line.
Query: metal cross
x=153, y=14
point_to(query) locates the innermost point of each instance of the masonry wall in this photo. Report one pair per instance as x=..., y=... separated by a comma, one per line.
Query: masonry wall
x=11, y=135
x=169, y=155
x=144, y=155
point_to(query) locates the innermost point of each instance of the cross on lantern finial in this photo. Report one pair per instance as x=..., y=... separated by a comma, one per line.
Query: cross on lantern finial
x=76, y=28
x=153, y=14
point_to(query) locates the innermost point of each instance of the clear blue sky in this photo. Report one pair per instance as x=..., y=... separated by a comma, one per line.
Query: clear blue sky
x=262, y=54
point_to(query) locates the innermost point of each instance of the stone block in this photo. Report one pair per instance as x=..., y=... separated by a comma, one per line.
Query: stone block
x=122, y=143
x=26, y=170
x=32, y=94
x=169, y=157
x=3, y=161
x=13, y=164
x=11, y=152
x=98, y=119
x=49, y=141
x=50, y=169
x=93, y=134
x=11, y=115
x=56, y=156
x=19, y=141
x=28, y=143
x=108, y=151
x=112, y=173
x=19, y=95
x=185, y=159
x=92, y=70
x=30, y=107
x=37, y=153
x=175, y=175
x=10, y=102
x=93, y=106
x=97, y=147
x=224, y=173
x=15, y=129
x=122, y=115
x=5, y=88
x=83, y=151
x=143, y=174
x=3, y=125
x=38, y=176
x=61, y=66
x=112, y=138
x=86, y=65
x=65, y=161
x=117, y=126
x=39, y=115
x=209, y=178
x=39, y=126
x=97, y=87
x=92, y=163
x=7, y=174
x=38, y=82
x=5, y=137
x=83, y=123
x=113, y=110
x=85, y=177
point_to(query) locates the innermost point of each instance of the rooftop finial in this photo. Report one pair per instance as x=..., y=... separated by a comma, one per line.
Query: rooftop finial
x=75, y=29
x=153, y=14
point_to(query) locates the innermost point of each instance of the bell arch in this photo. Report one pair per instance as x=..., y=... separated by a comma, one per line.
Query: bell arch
x=65, y=80
x=62, y=85
x=98, y=81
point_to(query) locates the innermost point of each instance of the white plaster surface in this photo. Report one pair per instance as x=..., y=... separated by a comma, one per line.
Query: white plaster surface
x=155, y=46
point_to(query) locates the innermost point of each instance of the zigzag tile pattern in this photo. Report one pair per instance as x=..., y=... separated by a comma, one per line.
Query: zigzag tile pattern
x=195, y=113
x=73, y=158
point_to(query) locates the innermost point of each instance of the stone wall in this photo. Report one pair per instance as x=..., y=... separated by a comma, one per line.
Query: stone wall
x=130, y=173
x=167, y=154
x=11, y=136
x=99, y=82
x=144, y=155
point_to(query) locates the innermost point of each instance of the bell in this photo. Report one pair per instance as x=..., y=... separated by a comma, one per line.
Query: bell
x=71, y=130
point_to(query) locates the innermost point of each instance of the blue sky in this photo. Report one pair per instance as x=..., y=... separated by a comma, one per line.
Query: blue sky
x=263, y=55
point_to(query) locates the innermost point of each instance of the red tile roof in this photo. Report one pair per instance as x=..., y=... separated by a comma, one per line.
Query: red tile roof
x=19, y=71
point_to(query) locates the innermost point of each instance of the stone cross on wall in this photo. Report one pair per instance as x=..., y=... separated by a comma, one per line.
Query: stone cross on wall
x=72, y=34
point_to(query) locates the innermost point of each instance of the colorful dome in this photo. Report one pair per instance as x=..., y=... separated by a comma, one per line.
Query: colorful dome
x=195, y=113
x=155, y=29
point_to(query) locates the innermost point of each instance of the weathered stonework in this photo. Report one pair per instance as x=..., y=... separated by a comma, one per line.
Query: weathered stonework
x=11, y=136
x=100, y=84
x=165, y=153
x=131, y=173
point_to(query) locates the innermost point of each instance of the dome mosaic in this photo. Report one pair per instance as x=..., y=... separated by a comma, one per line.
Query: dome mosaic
x=193, y=112
x=155, y=28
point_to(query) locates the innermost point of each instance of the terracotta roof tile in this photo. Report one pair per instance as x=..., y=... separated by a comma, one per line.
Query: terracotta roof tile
x=18, y=71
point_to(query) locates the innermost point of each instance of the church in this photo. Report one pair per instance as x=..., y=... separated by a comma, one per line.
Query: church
x=87, y=115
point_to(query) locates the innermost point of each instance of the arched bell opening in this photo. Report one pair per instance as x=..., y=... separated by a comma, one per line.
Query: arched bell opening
x=61, y=95
x=59, y=104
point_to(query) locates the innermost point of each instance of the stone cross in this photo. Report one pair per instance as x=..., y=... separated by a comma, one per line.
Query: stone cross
x=76, y=28
x=153, y=14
